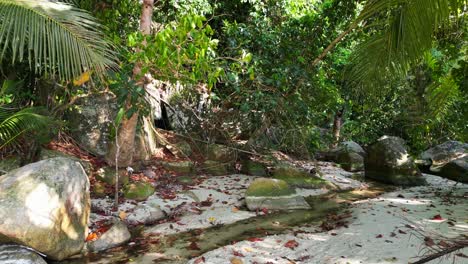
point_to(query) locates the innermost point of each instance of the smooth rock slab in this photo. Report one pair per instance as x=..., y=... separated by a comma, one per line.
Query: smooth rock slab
x=115, y=236
x=15, y=254
x=45, y=206
x=145, y=214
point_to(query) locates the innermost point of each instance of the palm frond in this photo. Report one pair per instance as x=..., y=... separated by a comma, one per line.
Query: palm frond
x=408, y=34
x=14, y=123
x=55, y=37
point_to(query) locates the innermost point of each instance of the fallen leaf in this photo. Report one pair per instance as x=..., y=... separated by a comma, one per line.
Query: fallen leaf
x=461, y=255
x=193, y=246
x=379, y=236
x=429, y=242
x=199, y=260
x=254, y=239
x=444, y=244
x=91, y=237
x=235, y=209
x=237, y=254
x=437, y=217
x=401, y=231
x=292, y=244
x=236, y=261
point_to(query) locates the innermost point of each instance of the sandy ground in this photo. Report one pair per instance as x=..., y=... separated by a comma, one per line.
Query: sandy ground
x=380, y=230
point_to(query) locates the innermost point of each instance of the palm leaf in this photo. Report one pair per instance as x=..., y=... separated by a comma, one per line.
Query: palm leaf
x=14, y=123
x=54, y=37
x=408, y=34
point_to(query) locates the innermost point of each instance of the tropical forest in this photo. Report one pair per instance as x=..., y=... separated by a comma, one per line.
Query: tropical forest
x=233, y=131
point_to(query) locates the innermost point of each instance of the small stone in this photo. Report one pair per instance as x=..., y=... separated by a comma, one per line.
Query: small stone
x=117, y=235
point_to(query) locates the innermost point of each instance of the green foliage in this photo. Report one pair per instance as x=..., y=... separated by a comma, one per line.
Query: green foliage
x=56, y=38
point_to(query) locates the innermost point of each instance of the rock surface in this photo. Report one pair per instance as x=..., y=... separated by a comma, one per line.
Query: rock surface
x=350, y=161
x=388, y=161
x=145, y=214
x=251, y=167
x=182, y=167
x=45, y=206
x=91, y=120
x=15, y=254
x=220, y=153
x=115, y=236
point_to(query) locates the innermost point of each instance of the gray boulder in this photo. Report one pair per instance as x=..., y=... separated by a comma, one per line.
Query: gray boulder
x=45, y=206
x=117, y=235
x=445, y=152
x=388, y=161
x=448, y=160
x=351, y=146
x=91, y=120
x=456, y=170
x=273, y=194
x=350, y=161
x=15, y=254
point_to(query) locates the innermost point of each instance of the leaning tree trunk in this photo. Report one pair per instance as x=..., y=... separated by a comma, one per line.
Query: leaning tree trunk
x=127, y=130
x=337, y=123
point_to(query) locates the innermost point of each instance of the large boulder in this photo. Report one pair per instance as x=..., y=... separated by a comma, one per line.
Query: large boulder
x=351, y=146
x=182, y=167
x=273, y=194
x=91, y=120
x=456, y=170
x=388, y=161
x=448, y=160
x=216, y=168
x=350, y=161
x=220, y=153
x=349, y=154
x=45, y=206
x=445, y=152
x=15, y=254
x=254, y=168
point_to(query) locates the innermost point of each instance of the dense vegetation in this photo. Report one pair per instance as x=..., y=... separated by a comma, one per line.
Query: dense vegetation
x=276, y=73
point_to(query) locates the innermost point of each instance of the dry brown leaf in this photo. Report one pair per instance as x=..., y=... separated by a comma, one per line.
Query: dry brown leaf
x=236, y=261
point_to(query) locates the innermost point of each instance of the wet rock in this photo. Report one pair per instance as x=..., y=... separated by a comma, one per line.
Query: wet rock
x=117, y=235
x=145, y=214
x=273, y=194
x=138, y=191
x=15, y=254
x=45, y=206
x=182, y=167
x=388, y=161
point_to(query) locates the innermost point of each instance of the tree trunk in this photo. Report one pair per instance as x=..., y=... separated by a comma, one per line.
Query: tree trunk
x=337, y=122
x=127, y=129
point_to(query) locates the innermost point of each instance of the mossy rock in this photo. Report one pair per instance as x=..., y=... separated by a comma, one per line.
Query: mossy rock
x=182, y=167
x=216, y=168
x=251, y=167
x=220, y=153
x=297, y=177
x=350, y=161
x=9, y=164
x=266, y=187
x=185, y=180
x=183, y=149
x=138, y=191
x=107, y=175
x=99, y=190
